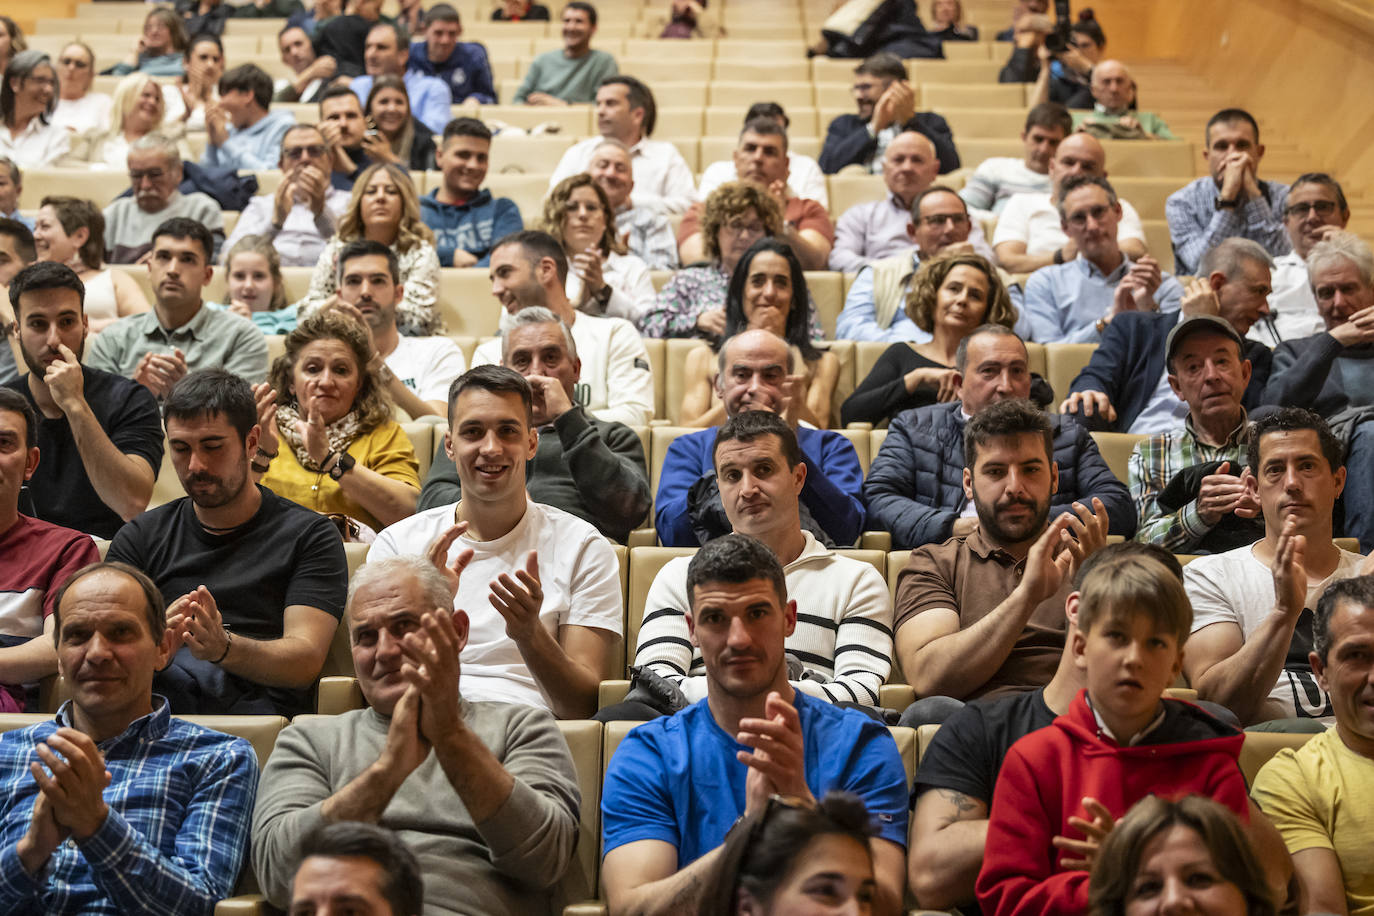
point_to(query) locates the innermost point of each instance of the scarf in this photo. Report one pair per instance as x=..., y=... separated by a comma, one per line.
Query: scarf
x=341, y=434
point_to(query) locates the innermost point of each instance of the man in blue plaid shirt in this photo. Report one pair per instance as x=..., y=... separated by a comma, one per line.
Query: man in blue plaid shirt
x=114, y=806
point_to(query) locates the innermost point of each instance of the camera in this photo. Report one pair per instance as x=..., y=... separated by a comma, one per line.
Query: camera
x=1057, y=42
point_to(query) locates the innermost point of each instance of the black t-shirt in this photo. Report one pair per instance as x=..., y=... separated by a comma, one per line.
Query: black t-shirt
x=284, y=555
x=966, y=753
x=60, y=489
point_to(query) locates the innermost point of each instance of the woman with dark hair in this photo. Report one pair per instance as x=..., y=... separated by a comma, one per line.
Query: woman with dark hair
x=767, y=291
x=71, y=231
x=603, y=278
x=1066, y=77
x=28, y=138
x=158, y=50
x=795, y=858
x=404, y=139
x=950, y=296
x=199, y=86
x=1185, y=856
x=947, y=21
x=11, y=41
x=328, y=439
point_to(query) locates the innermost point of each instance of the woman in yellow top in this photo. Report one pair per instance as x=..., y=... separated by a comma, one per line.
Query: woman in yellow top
x=328, y=439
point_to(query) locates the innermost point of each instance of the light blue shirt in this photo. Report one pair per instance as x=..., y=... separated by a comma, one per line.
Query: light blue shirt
x=1063, y=302
x=253, y=148
x=1163, y=413
x=858, y=320
x=430, y=98
x=19, y=218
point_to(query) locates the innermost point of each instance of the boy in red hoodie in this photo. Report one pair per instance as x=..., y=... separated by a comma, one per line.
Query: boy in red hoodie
x=1118, y=743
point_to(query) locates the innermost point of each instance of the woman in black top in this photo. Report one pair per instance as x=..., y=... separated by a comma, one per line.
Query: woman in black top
x=947, y=22
x=409, y=142
x=950, y=296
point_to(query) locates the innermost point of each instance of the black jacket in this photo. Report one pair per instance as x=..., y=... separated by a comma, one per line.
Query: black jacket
x=848, y=142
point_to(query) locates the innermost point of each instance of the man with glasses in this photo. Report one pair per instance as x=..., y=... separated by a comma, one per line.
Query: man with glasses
x=154, y=175
x=79, y=109
x=301, y=215
x=879, y=228
x=886, y=104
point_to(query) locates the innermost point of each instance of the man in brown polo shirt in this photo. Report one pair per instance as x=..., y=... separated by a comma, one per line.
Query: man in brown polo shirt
x=983, y=614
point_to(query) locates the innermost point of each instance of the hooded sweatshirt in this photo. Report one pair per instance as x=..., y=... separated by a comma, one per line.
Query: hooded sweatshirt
x=1048, y=773
x=474, y=226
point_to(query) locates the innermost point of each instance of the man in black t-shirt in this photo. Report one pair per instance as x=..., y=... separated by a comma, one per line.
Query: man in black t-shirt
x=954, y=784
x=254, y=583
x=99, y=433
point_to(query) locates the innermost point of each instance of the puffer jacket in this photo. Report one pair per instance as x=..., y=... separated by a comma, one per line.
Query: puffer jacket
x=915, y=487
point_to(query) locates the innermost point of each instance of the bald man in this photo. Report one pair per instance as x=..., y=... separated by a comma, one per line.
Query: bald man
x=1029, y=235
x=1113, y=91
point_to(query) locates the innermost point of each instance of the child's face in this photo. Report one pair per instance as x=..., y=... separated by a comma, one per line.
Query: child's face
x=1127, y=663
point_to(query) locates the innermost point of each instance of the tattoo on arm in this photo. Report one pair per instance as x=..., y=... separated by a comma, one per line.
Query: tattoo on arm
x=964, y=806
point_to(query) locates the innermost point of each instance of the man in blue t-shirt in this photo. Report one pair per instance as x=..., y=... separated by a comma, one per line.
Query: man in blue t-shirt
x=461, y=65
x=677, y=784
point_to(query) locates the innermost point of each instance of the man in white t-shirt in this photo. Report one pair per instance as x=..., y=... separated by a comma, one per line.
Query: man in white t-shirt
x=1252, y=607
x=416, y=370
x=529, y=268
x=1029, y=234
x=804, y=173
x=541, y=587
x=999, y=178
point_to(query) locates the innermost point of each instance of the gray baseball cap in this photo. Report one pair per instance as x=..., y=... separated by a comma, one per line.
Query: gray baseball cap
x=1214, y=323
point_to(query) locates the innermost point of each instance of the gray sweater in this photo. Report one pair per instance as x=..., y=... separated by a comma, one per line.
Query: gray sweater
x=508, y=864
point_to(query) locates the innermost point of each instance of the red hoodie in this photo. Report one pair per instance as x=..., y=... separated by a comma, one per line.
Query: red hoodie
x=1046, y=775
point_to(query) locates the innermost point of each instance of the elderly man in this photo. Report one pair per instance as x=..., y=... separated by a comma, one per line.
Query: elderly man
x=124, y=804
x=350, y=863
x=998, y=178
x=676, y=784
x=761, y=156
x=886, y=106
x=310, y=73
x=1125, y=386
x=753, y=370
x=625, y=111
x=1231, y=200
x=1112, y=116
x=881, y=228
x=803, y=172
x=572, y=75
x=100, y=434
x=180, y=334
x=386, y=53
x=244, y=135
x=1316, y=209
x=1075, y=301
x=484, y=792
x=304, y=211
x=1030, y=232
x=462, y=65
x=464, y=216
x=154, y=175
x=1313, y=793
x=590, y=468
x=647, y=231
x=914, y=488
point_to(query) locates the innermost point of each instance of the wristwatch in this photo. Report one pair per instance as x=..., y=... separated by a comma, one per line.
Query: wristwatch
x=342, y=466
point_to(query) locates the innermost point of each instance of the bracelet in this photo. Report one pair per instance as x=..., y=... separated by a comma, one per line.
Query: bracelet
x=228, y=641
x=266, y=454
x=324, y=463
x=260, y=468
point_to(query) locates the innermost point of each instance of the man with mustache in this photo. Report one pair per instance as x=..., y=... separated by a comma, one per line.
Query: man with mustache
x=155, y=173
x=99, y=434
x=254, y=583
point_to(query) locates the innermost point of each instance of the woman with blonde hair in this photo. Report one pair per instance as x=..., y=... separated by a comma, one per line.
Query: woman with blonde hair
x=71, y=231
x=254, y=287
x=386, y=209
x=139, y=108
x=328, y=438
x=603, y=279
x=950, y=296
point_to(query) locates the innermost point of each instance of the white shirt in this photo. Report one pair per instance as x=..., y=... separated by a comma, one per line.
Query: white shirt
x=617, y=384
x=1234, y=587
x=663, y=180
x=996, y=181
x=1292, y=307
x=578, y=573
x=427, y=365
x=90, y=112
x=37, y=146
x=804, y=177
x=300, y=242
x=1033, y=219
x=632, y=289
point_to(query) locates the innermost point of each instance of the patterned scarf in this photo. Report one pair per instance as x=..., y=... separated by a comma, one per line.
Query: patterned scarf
x=340, y=433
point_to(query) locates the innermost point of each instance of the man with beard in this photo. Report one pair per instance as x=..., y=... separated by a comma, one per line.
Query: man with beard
x=99, y=433
x=972, y=621
x=254, y=583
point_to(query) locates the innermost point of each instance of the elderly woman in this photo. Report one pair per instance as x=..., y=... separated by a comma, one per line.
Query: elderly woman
x=602, y=278
x=71, y=231
x=328, y=439
x=401, y=138
x=950, y=296
x=28, y=138
x=768, y=291
x=692, y=304
x=78, y=109
x=385, y=208
x=158, y=50
x=254, y=287
x=139, y=109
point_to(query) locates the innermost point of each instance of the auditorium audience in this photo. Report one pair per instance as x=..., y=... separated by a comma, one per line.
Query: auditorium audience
x=998, y=178
x=484, y=792
x=1113, y=115
x=197, y=92
x=646, y=232
x=385, y=54
x=405, y=139
x=1315, y=209
x=114, y=802
x=243, y=134
x=310, y=72
x=626, y=111
x=157, y=51
x=947, y=22
x=603, y=278
x=78, y=108
x=886, y=106
x=676, y=784
x=28, y=98
x=573, y=75
x=804, y=174
x=590, y=468
x=351, y=863
x=541, y=585
x=254, y=288
x=753, y=371
x=1232, y=200
x=461, y=65
x=71, y=231
x=139, y=109
x=155, y=173
x=465, y=218
x=881, y=228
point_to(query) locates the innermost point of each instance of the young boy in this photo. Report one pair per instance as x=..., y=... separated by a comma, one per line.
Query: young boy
x=1061, y=788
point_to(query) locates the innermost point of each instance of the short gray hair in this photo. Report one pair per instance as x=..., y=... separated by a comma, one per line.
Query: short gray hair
x=536, y=314
x=1340, y=246
x=725, y=345
x=1228, y=256
x=16, y=176
x=432, y=582
x=159, y=143
x=612, y=141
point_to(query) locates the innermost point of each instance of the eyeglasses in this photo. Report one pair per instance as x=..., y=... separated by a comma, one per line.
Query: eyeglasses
x=1081, y=218
x=313, y=151
x=939, y=219
x=739, y=227
x=77, y=62
x=42, y=81
x=151, y=174
x=1320, y=207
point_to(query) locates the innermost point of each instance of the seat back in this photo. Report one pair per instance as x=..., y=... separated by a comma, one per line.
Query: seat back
x=906, y=746
x=1260, y=746
x=1116, y=449
x=1063, y=362
x=585, y=742
x=645, y=564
